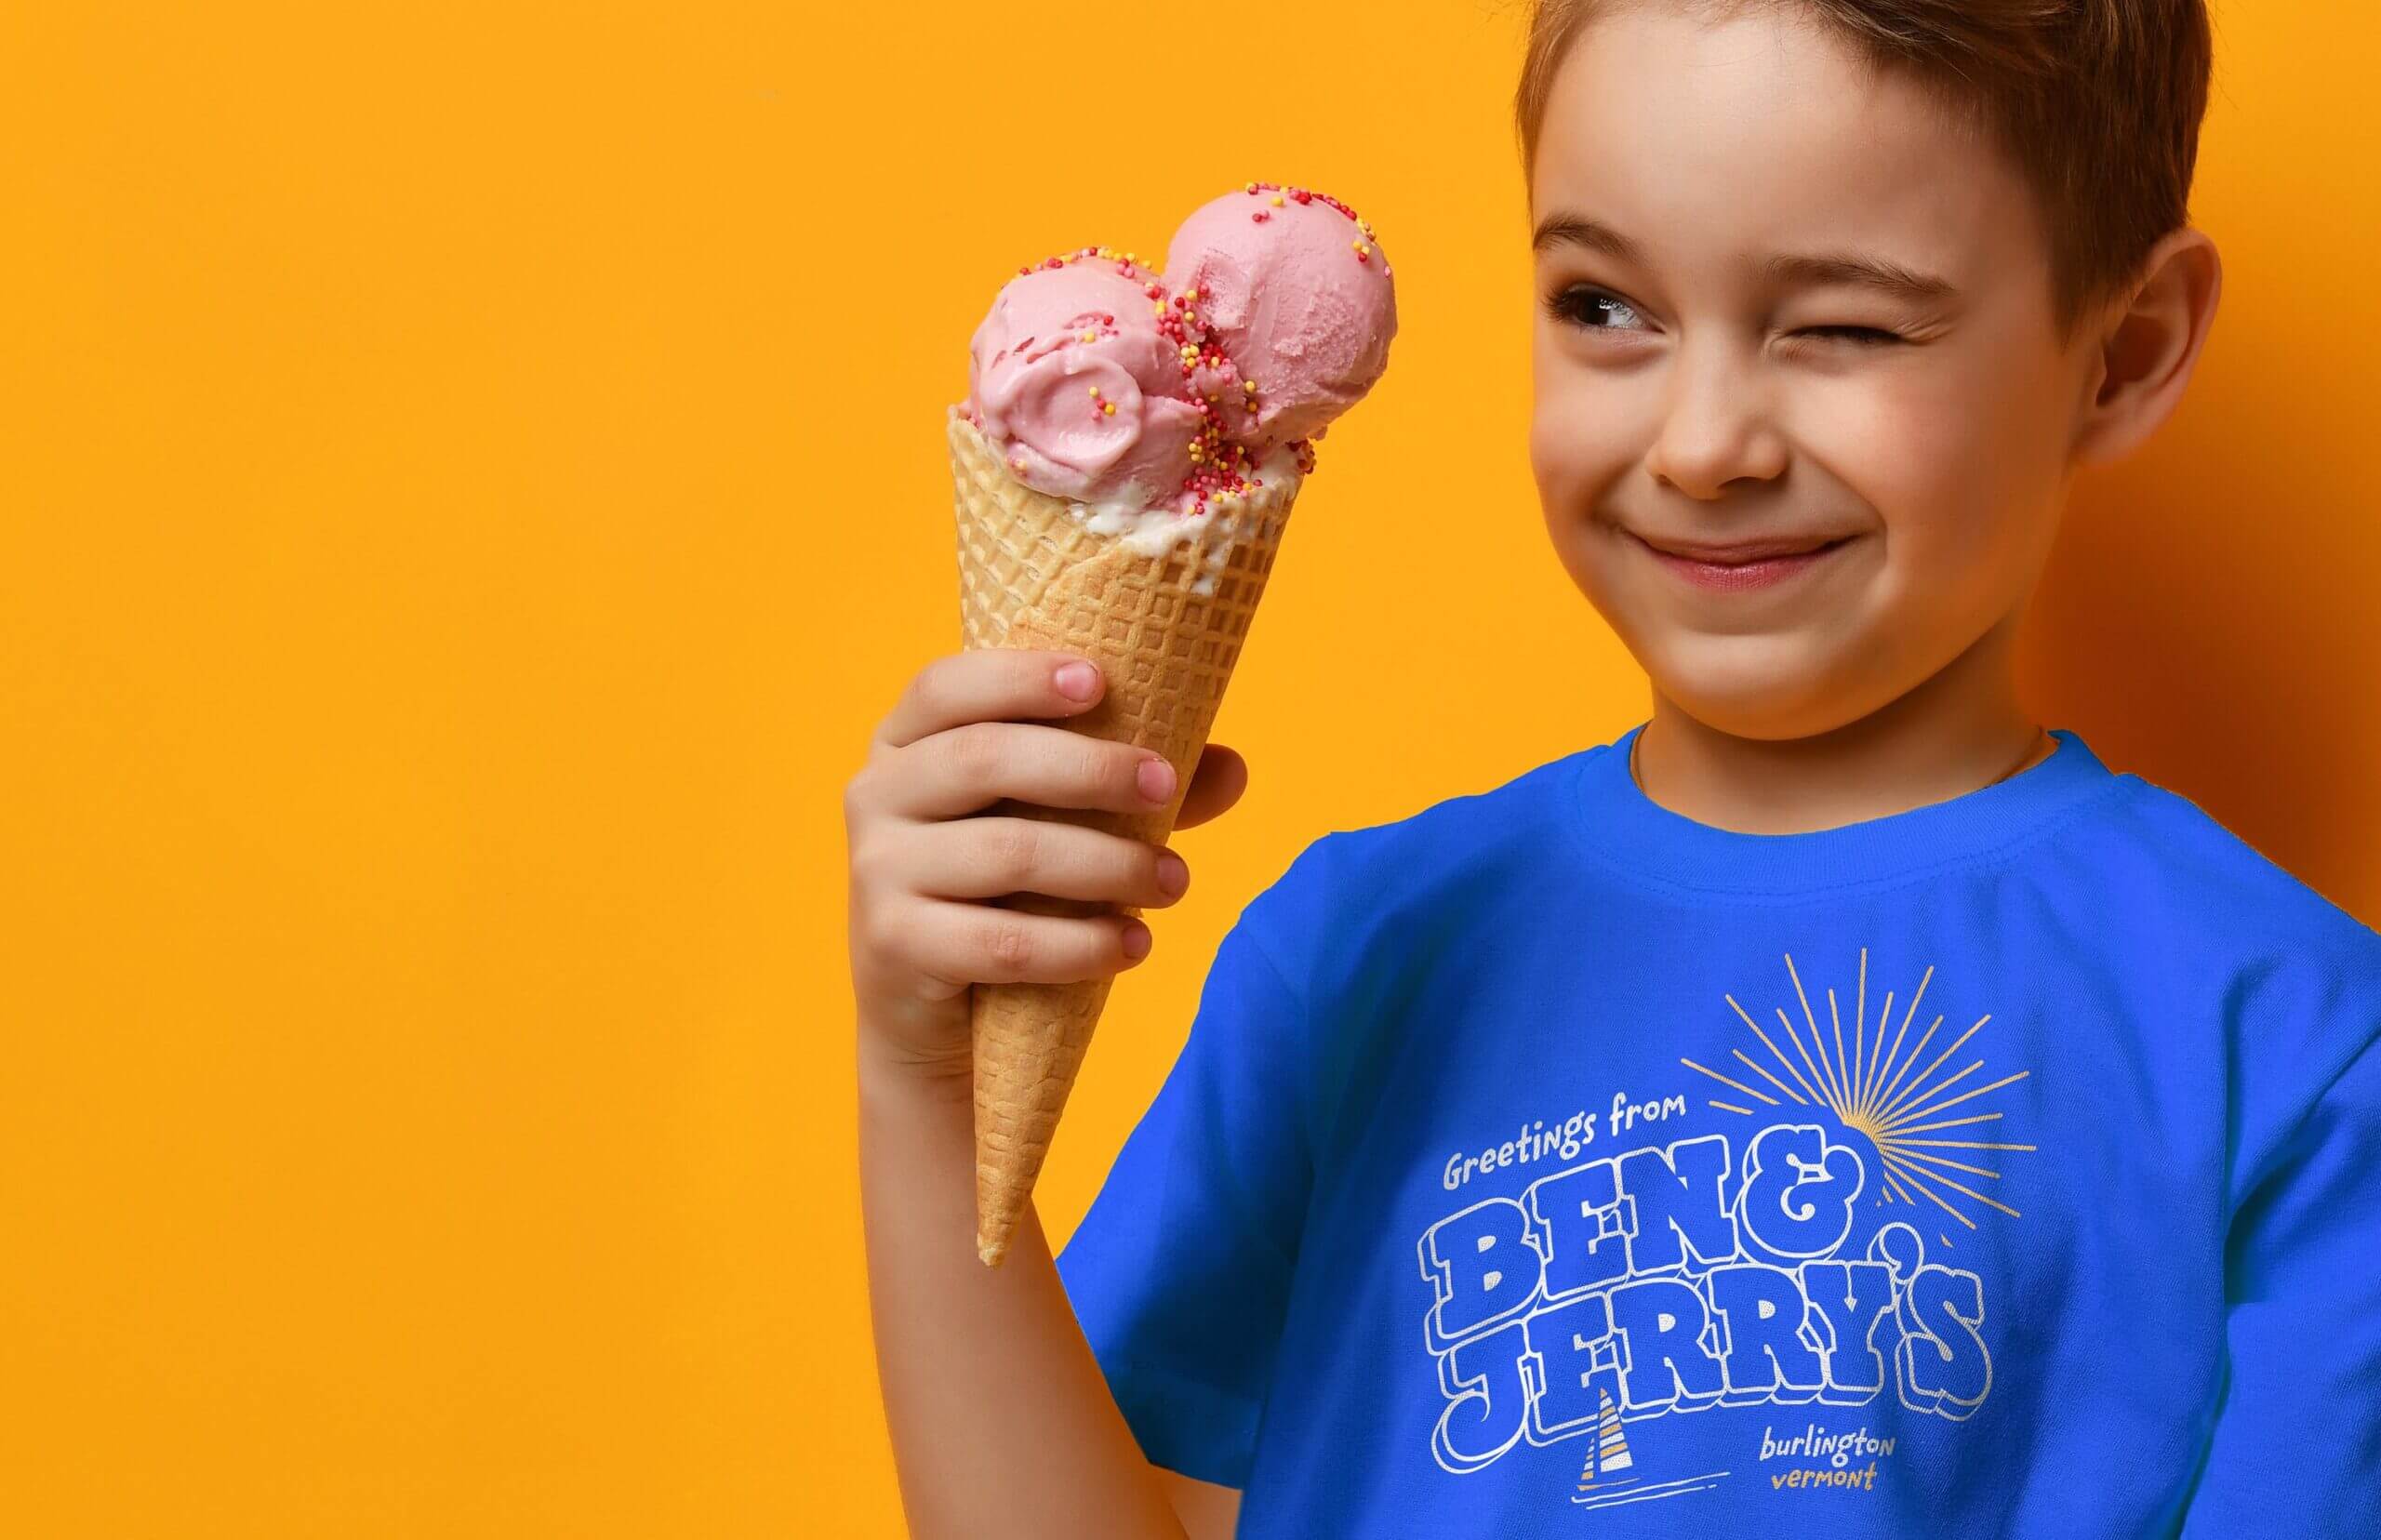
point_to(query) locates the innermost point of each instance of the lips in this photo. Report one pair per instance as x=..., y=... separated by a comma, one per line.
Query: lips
x=1736, y=553
x=1748, y=564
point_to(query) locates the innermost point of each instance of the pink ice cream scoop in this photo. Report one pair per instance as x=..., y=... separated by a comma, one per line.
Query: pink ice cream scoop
x=1296, y=292
x=1100, y=382
x=1071, y=376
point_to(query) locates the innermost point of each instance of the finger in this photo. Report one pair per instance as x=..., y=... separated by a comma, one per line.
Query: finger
x=960, y=943
x=1219, y=782
x=990, y=685
x=989, y=857
x=968, y=768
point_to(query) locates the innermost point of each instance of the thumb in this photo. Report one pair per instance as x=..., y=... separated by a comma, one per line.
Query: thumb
x=1218, y=783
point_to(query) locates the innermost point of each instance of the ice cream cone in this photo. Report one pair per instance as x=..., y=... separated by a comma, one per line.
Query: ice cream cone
x=1165, y=627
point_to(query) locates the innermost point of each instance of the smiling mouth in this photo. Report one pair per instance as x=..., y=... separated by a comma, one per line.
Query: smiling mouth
x=1731, y=572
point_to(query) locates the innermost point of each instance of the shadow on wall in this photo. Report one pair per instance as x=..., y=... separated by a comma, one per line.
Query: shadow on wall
x=2208, y=617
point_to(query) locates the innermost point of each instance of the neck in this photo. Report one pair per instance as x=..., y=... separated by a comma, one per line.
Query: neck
x=1961, y=730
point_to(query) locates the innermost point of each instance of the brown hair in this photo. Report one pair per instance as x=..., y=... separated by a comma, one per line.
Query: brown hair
x=2098, y=102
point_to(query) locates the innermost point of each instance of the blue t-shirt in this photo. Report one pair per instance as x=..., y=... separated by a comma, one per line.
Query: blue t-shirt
x=1548, y=1162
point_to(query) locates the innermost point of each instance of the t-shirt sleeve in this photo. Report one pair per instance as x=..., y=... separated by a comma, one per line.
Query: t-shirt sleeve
x=2297, y=1447
x=1180, y=1271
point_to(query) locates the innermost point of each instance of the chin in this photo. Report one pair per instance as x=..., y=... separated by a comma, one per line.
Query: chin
x=1763, y=686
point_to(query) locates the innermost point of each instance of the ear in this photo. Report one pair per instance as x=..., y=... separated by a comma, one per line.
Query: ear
x=2146, y=347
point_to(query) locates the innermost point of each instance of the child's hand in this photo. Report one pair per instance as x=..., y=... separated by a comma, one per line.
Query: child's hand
x=921, y=867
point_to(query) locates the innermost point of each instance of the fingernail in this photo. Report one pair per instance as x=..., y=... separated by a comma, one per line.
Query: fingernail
x=1156, y=777
x=1173, y=875
x=1077, y=680
x=1136, y=940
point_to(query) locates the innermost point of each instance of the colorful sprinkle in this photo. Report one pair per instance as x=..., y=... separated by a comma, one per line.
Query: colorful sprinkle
x=1221, y=468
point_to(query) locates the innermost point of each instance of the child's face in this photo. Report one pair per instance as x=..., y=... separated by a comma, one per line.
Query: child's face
x=1686, y=394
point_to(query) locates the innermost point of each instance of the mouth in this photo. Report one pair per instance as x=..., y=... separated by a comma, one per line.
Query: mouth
x=1746, y=564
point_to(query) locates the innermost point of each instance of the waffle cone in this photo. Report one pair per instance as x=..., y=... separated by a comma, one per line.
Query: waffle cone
x=1166, y=629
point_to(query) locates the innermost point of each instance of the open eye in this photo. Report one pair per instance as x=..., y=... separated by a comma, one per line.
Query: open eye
x=1586, y=308
x=1590, y=309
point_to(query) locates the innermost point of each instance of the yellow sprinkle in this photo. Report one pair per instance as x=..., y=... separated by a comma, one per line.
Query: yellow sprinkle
x=1250, y=188
x=1248, y=385
x=1109, y=407
x=1157, y=307
x=1094, y=389
x=1277, y=200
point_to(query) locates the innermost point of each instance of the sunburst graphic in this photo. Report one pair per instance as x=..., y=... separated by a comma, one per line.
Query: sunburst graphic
x=1872, y=1092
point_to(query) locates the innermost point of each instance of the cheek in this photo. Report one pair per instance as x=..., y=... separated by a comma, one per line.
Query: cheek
x=1577, y=433
x=1941, y=454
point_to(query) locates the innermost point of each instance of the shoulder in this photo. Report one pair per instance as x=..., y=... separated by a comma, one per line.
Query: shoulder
x=1360, y=908
x=2282, y=984
x=2171, y=850
x=1445, y=842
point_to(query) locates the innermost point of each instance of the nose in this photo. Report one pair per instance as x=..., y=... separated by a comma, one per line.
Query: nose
x=1716, y=427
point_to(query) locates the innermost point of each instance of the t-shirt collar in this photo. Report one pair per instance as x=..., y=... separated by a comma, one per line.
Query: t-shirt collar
x=1628, y=830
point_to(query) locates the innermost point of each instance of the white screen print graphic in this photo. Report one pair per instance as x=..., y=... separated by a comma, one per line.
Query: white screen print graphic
x=1670, y=1280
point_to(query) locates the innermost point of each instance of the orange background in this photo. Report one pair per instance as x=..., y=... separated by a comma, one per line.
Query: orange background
x=470, y=481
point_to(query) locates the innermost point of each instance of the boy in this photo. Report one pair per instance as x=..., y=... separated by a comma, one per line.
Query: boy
x=1836, y=1106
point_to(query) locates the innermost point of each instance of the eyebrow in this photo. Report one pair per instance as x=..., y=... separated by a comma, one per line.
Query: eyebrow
x=1833, y=267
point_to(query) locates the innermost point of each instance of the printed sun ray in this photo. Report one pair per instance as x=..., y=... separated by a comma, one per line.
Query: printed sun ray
x=1891, y=1116
x=1869, y=1101
x=1967, y=1095
x=1912, y=1177
x=1886, y=1112
x=1783, y=1062
x=1949, y=1122
x=1921, y=1048
x=1900, y=1162
x=1859, y=1027
x=1876, y=1090
x=1825, y=1098
x=1835, y=1098
x=1791, y=1094
x=1877, y=1055
x=1732, y=1084
x=1876, y=1051
x=1836, y=1016
x=1956, y=1144
x=1950, y=1164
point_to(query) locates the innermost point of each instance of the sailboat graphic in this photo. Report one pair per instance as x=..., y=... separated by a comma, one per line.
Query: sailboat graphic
x=1602, y=1483
x=1610, y=1452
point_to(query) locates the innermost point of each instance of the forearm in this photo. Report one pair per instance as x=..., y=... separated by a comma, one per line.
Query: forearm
x=1002, y=1422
